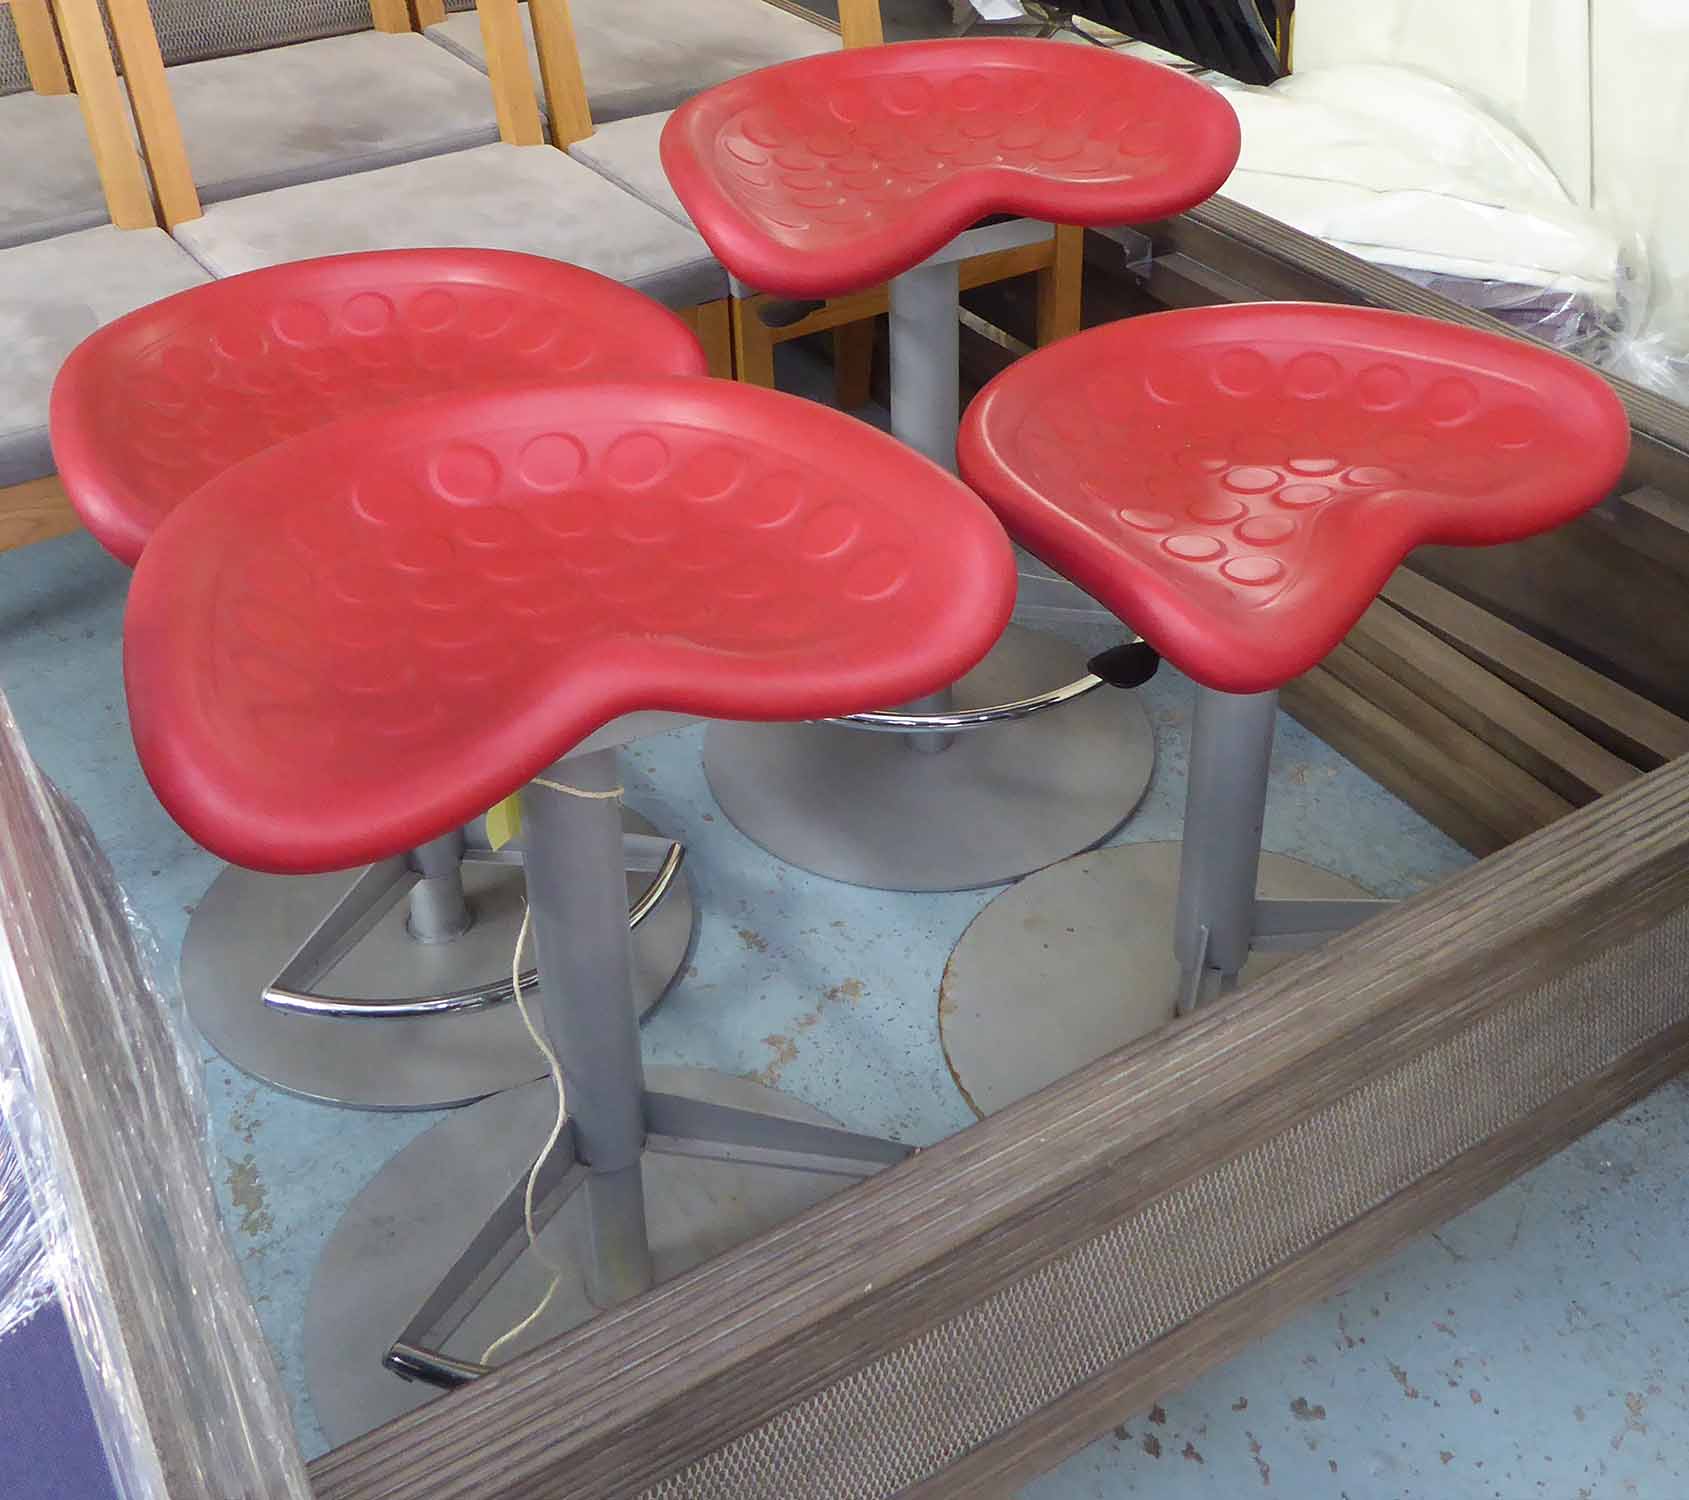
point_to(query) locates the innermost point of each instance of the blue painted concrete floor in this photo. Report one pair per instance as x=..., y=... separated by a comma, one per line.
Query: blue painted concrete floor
x=1537, y=1346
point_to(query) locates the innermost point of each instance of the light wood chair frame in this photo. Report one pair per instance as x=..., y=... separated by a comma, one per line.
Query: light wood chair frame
x=514, y=102
x=1058, y=262
x=65, y=51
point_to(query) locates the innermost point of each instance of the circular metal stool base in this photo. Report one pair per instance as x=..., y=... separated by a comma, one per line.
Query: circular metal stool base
x=248, y=925
x=407, y=1228
x=1077, y=961
x=869, y=810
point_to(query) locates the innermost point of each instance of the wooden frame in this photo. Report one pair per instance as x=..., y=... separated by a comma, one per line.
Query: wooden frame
x=1566, y=946
x=644, y=1393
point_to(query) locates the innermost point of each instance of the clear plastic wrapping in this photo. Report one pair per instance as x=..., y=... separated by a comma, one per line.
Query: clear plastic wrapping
x=1406, y=171
x=102, y=1103
x=26, y=1277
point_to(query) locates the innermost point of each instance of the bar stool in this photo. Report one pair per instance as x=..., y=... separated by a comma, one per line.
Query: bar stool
x=1237, y=484
x=158, y=404
x=680, y=545
x=829, y=175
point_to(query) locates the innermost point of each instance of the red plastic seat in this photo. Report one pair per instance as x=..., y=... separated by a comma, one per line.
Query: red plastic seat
x=361, y=638
x=837, y=172
x=152, y=406
x=1237, y=483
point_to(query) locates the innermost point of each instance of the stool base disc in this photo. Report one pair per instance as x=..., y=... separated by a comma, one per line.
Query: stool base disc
x=869, y=810
x=1077, y=961
x=247, y=925
x=407, y=1228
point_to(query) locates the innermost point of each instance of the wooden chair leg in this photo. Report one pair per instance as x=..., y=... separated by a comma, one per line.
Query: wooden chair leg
x=753, y=345
x=390, y=15
x=1059, y=286
x=34, y=511
x=853, y=363
x=38, y=40
x=713, y=323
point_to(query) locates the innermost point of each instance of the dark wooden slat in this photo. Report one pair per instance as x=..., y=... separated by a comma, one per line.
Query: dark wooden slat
x=1650, y=522
x=1396, y=757
x=1510, y=797
x=1507, y=720
x=638, y=1393
x=1582, y=592
x=1625, y=722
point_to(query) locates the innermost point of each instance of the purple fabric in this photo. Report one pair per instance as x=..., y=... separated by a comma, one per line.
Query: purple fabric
x=49, y=1446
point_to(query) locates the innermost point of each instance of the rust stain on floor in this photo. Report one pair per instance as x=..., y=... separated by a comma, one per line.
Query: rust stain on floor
x=247, y=1192
x=784, y=1049
x=1262, y=1467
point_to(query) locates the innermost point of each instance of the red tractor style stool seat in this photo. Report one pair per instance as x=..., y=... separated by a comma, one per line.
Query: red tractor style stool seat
x=341, y=649
x=827, y=176
x=158, y=404
x=1236, y=484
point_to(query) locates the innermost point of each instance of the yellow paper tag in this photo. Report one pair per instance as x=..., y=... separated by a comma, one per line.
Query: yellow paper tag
x=504, y=822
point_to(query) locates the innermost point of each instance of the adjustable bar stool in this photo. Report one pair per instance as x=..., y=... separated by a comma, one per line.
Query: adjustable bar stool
x=159, y=403
x=830, y=175
x=1237, y=484
x=686, y=545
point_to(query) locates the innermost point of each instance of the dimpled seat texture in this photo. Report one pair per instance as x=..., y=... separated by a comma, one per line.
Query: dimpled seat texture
x=151, y=407
x=834, y=173
x=361, y=638
x=1238, y=483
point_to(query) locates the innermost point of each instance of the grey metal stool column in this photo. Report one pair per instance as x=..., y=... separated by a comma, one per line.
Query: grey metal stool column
x=907, y=800
x=655, y=1171
x=824, y=177
x=640, y=511
x=1254, y=476
x=1125, y=939
x=426, y=955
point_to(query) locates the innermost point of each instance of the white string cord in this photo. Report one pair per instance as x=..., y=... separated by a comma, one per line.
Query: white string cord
x=574, y=791
x=562, y=1120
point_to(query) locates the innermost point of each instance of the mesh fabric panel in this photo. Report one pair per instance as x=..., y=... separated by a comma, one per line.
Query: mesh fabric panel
x=190, y=30
x=911, y=1413
x=14, y=77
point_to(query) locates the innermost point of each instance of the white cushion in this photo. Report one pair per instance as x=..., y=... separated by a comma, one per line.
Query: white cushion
x=1405, y=171
x=1641, y=82
x=651, y=55
x=526, y=198
x=53, y=294
x=1526, y=61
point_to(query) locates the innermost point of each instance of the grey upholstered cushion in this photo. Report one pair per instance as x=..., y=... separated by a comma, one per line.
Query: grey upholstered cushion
x=626, y=152
x=48, y=184
x=320, y=109
x=645, y=55
x=500, y=197
x=53, y=294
